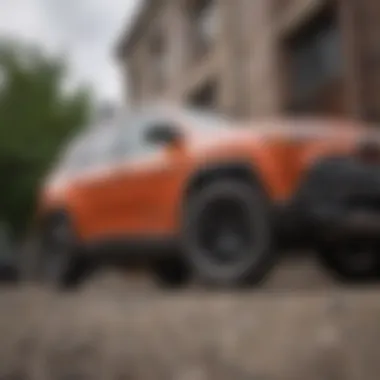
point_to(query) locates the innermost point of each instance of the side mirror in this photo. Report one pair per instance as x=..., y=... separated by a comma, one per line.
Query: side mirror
x=164, y=134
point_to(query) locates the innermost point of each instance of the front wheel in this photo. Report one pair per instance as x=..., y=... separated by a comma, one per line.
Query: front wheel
x=50, y=256
x=227, y=235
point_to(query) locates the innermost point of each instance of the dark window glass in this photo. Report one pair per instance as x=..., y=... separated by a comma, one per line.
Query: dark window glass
x=204, y=21
x=315, y=59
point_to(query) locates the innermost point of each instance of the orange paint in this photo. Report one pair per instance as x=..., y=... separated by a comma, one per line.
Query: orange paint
x=144, y=196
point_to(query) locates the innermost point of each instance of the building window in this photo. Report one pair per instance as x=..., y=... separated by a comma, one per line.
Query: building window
x=205, y=97
x=315, y=59
x=204, y=24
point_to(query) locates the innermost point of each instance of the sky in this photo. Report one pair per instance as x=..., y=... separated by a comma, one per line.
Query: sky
x=85, y=31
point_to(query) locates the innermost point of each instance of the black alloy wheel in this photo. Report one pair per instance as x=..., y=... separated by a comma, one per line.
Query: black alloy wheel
x=227, y=235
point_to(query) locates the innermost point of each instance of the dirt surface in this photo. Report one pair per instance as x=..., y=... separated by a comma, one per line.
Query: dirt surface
x=300, y=325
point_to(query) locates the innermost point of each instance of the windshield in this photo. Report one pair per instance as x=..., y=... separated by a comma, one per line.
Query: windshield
x=94, y=144
x=76, y=154
x=89, y=148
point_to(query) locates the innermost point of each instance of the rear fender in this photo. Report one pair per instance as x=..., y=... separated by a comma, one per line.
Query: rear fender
x=276, y=165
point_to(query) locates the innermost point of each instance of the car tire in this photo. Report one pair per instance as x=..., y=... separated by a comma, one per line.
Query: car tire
x=228, y=234
x=351, y=261
x=52, y=262
x=8, y=274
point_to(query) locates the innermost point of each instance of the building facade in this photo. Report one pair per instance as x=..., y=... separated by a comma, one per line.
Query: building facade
x=257, y=57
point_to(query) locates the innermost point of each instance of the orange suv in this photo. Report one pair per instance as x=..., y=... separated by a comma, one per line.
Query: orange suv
x=190, y=193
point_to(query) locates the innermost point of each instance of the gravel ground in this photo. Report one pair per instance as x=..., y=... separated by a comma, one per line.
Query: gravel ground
x=300, y=325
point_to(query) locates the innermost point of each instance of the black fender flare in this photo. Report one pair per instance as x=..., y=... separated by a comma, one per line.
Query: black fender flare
x=329, y=183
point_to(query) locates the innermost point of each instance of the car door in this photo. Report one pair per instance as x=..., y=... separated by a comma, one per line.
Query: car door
x=143, y=180
x=93, y=183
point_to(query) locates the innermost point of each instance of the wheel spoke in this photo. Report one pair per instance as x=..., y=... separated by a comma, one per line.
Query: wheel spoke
x=224, y=231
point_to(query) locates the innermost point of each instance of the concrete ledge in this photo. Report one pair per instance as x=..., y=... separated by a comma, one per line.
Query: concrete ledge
x=145, y=335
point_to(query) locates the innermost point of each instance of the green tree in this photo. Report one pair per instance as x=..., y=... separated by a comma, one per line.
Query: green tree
x=36, y=116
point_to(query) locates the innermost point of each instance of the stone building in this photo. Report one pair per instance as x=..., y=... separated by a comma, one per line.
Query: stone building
x=257, y=57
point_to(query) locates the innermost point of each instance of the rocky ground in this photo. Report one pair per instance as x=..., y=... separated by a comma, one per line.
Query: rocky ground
x=300, y=325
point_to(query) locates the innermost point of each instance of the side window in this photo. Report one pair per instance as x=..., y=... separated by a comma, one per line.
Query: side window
x=101, y=147
x=132, y=142
x=89, y=151
x=143, y=146
x=125, y=139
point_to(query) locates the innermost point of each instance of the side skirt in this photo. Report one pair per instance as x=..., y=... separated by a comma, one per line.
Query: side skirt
x=128, y=250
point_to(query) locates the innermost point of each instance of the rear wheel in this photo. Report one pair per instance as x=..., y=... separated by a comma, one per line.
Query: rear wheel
x=353, y=260
x=227, y=235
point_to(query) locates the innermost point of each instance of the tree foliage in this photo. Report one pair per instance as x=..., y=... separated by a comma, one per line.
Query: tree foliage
x=36, y=116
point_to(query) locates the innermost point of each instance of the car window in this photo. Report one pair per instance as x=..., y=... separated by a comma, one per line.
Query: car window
x=126, y=136
x=90, y=149
x=74, y=155
x=100, y=146
x=205, y=120
x=132, y=140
